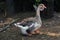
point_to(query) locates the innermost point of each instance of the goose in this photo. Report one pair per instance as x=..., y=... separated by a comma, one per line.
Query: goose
x=31, y=25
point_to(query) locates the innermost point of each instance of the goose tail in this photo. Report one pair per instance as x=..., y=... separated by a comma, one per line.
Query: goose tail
x=17, y=25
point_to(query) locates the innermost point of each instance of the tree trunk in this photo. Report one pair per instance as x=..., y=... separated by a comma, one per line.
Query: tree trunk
x=57, y=5
x=10, y=7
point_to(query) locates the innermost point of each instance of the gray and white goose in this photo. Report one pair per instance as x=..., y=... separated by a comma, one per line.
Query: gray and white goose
x=31, y=24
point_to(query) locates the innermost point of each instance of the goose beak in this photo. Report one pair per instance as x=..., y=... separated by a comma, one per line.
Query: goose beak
x=44, y=6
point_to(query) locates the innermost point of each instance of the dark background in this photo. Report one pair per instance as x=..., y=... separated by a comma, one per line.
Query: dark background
x=16, y=6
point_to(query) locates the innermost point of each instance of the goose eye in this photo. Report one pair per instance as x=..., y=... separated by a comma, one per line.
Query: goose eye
x=41, y=7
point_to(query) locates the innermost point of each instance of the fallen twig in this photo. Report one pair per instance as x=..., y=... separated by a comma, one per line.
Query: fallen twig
x=9, y=24
x=50, y=34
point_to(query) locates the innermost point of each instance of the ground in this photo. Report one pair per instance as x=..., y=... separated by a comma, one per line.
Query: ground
x=51, y=25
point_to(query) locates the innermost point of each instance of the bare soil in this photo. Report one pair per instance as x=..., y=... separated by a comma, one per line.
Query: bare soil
x=51, y=25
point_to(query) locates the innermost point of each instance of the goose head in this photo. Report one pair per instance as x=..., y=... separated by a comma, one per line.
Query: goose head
x=41, y=7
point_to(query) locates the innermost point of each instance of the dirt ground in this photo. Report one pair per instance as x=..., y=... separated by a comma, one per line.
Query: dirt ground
x=51, y=25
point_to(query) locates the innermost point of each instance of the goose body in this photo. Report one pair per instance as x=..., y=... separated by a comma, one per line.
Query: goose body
x=31, y=24
x=27, y=27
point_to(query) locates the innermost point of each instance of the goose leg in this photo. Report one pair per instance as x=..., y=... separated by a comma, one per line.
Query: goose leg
x=29, y=34
x=33, y=32
x=37, y=31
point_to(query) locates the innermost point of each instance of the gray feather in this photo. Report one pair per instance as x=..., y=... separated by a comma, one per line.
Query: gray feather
x=30, y=29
